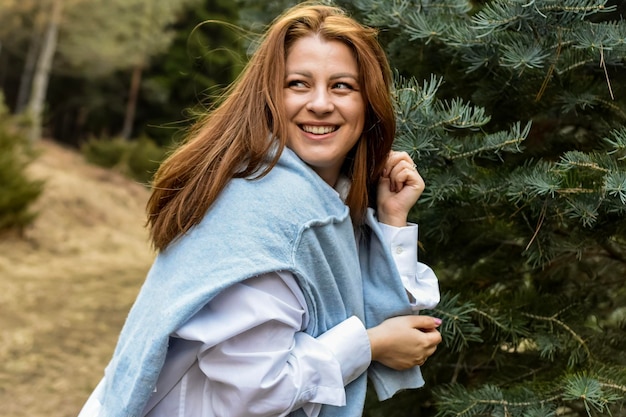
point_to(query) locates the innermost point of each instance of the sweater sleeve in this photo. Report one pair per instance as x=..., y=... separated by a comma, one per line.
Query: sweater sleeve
x=255, y=360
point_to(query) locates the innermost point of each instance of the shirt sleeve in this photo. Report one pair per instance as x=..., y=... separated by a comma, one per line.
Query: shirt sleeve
x=419, y=279
x=256, y=359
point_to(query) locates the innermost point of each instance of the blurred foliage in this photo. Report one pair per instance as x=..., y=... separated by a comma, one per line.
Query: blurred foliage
x=107, y=153
x=144, y=159
x=118, y=35
x=138, y=159
x=198, y=55
x=205, y=57
x=17, y=191
x=256, y=15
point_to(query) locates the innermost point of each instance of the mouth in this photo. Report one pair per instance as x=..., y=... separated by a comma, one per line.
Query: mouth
x=319, y=130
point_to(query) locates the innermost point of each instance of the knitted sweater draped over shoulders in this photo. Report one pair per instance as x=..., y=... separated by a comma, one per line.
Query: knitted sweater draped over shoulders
x=289, y=220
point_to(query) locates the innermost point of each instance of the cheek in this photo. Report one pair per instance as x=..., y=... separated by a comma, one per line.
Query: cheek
x=292, y=105
x=358, y=113
x=287, y=105
x=359, y=117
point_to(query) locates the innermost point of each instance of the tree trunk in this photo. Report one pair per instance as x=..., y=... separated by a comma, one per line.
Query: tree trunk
x=131, y=105
x=27, y=76
x=42, y=72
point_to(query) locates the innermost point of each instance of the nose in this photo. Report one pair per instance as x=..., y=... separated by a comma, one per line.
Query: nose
x=320, y=101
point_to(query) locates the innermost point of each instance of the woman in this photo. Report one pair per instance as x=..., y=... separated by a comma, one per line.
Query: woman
x=275, y=290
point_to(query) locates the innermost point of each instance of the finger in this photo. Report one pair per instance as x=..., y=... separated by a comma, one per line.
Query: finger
x=404, y=171
x=403, y=175
x=400, y=160
x=394, y=158
x=434, y=338
x=425, y=322
x=401, y=169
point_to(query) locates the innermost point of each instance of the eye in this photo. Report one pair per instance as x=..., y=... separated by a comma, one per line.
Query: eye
x=296, y=84
x=343, y=86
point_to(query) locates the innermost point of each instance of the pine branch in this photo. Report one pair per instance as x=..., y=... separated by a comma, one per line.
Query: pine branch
x=458, y=401
x=553, y=319
x=613, y=386
x=521, y=54
x=574, y=6
x=494, y=146
x=617, y=141
x=589, y=391
x=461, y=115
x=497, y=16
x=612, y=106
x=457, y=329
x=516, y=216
x=410, y=97
x=592, y=161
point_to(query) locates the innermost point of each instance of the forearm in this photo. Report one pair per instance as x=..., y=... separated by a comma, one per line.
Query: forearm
x=256, y=360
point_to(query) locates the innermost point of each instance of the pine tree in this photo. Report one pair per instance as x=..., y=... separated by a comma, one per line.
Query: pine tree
x=18, y=192
x=515, y=113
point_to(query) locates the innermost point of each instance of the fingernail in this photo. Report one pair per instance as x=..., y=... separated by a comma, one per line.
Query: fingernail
x=437, y=321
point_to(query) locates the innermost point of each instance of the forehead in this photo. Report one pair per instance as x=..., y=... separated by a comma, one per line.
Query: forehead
x=319, y=53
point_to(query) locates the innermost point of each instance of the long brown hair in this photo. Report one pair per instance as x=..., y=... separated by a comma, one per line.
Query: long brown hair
x=238, y=136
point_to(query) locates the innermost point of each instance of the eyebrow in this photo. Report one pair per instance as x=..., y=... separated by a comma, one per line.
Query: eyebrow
x=332, y=77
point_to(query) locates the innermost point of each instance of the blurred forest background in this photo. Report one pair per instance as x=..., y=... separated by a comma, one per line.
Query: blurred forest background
x=514, y=111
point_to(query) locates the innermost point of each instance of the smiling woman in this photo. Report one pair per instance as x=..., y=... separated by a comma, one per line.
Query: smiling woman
x=292, y=318
x=323, y=104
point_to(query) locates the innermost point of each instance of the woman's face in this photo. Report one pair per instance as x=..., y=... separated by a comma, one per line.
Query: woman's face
x=323, y=103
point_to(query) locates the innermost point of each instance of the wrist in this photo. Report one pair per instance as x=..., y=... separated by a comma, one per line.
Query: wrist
x=375, y=342
x=398, y=220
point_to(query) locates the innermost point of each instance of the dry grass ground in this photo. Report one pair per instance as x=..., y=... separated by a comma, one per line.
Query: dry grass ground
x=66, y=286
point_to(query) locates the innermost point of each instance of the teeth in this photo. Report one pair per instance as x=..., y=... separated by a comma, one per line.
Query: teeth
x=318, y=130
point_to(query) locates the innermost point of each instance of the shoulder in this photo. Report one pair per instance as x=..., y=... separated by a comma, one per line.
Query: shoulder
x=291, y=191
x=266, y=214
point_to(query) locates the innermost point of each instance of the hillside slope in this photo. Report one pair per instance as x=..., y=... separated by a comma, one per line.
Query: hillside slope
x=68, y=283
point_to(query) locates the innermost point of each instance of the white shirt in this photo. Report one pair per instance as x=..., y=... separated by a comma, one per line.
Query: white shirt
x=252, y=357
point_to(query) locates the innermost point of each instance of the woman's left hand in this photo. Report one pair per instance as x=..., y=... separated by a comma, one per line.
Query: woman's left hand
x=399, y=188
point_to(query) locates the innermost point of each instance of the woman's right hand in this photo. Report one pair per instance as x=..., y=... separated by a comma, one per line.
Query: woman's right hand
x=405, y=341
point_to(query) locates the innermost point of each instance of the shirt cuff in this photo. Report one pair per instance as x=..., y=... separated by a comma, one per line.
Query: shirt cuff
x=418, y=279
x=403, y=244
x=354, y=356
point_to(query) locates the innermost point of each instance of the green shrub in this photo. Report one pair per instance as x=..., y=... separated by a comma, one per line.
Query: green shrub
x=107, y=153
x=17, y=191
x=137, y=159
x=144, y=159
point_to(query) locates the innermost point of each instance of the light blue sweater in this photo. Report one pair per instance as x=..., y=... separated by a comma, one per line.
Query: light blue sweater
x=289, y=220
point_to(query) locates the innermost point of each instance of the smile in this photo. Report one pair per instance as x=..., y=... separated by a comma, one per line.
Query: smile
x=318, y=130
